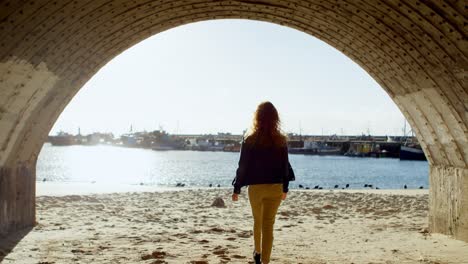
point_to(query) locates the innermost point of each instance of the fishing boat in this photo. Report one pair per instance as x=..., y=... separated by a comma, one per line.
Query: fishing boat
x=410, y=148
x=411, y=153
x=62, y=139
x=316, y=148
x=162, y=141
x=162, y=147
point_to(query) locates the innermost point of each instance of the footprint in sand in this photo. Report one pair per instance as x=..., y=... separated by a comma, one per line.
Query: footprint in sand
x=78, y=251
x=216, y=229
x=220, y=252
x=155, y=255
x=181, y=235
x=245, y=234
x=196, y=231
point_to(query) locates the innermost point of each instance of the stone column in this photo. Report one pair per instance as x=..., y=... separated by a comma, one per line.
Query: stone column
x=17, y=197
x=448, y=201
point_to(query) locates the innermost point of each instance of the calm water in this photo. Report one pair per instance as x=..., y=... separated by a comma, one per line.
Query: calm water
x=108, y=164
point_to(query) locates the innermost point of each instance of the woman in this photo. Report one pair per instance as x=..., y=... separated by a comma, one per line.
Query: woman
x=264, y=167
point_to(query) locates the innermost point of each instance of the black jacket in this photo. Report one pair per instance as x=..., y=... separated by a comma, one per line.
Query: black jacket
x=260, y=165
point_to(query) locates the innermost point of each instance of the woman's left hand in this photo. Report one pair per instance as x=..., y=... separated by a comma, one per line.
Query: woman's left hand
x=284, y=196
x=235, y=197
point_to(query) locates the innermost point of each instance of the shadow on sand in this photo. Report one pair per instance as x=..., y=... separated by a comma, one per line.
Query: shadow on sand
x=8, y=243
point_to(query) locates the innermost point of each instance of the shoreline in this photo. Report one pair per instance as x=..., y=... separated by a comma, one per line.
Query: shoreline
x=79, y=188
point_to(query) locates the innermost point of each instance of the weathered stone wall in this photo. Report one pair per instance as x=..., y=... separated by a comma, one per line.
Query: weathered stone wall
x=448, y=189
x=416, y=50
x=17, y=198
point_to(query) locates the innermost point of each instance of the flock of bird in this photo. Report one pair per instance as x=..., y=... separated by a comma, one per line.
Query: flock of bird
x=316, y=187
x=337, y=186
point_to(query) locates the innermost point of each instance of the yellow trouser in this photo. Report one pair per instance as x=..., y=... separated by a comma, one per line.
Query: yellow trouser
x=264, y=200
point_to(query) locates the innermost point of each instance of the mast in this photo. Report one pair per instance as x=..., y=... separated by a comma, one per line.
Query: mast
x=404, y=128
x=300, y=131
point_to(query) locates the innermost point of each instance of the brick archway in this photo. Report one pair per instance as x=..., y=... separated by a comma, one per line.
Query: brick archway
x=416, y=50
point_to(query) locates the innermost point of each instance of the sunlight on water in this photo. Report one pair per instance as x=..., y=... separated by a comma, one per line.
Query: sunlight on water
x=118, y=165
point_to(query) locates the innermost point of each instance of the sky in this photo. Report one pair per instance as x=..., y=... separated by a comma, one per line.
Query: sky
x=209, y=77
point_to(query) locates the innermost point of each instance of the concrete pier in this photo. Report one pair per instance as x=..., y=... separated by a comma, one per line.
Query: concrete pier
x=416, y=50
x=448, y=201
x=17, y=198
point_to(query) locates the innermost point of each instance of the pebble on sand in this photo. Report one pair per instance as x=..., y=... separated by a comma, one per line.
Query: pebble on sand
x=218, y=202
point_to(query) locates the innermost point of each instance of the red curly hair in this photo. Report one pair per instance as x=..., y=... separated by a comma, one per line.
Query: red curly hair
x=266, y=125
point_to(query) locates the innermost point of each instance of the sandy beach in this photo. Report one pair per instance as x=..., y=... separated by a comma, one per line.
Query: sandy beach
x=371, y=226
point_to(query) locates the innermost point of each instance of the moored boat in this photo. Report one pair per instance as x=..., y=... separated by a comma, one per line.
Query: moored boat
x=62, y=139
x=316, y=148
x=411, y=153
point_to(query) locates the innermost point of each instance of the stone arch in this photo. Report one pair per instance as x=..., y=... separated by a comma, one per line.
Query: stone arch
x=416, y=50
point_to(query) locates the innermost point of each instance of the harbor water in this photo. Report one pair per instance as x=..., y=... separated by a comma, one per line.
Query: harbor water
x=109, y=165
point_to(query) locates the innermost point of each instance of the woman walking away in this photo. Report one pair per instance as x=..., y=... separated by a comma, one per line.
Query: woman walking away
x=264, y=167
